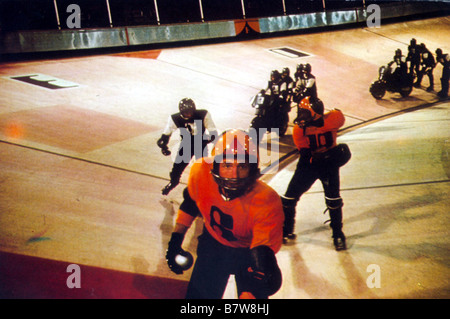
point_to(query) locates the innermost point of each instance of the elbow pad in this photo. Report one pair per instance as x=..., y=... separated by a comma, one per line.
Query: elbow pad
x=189, y=206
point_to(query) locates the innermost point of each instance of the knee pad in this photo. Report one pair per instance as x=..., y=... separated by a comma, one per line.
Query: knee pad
x=334, y=203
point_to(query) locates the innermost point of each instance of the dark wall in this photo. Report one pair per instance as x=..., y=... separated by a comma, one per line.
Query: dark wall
x=16, y=15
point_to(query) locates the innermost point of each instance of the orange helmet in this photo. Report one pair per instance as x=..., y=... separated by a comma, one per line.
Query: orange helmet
x=237, y=145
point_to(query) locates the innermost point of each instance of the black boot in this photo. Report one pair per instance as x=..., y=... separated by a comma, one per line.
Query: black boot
x=339, y=240
x=172, y=184
x=336, y=227
x=175, y=176
x=289, y=219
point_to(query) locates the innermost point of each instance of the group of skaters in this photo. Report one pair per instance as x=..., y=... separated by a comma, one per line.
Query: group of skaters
x=246, y=221
x=420, y=62
x=193, y=122
x=293, y=89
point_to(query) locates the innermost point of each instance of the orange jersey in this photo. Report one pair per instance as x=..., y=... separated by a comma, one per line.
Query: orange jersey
x=251, y=220
x=319, y=139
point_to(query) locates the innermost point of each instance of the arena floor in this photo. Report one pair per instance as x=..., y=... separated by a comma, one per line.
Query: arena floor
x=81, y=175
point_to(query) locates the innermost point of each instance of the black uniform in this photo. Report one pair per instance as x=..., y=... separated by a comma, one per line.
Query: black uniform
x=305, y=83
x=427, y=65
x=444, y=59
x=193, y=140
x=414, y=57
x=289, y=84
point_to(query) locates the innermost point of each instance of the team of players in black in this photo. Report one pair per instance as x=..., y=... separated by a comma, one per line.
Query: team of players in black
x=420, y=62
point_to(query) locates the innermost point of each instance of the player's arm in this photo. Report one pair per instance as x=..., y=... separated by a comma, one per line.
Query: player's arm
x=211, y=127
x=334, y=121
x=163, y=141
x=186, y=215
x=310, y=82
x=299, y=138
x=264, y=273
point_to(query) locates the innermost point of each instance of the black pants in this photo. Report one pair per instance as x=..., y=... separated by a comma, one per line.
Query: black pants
x=213, y=267
x=425, y=71
x=306, y=174
x=184, y=156
x=444, y=79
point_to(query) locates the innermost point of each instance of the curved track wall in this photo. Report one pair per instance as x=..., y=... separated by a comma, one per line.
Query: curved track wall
x=96, y=38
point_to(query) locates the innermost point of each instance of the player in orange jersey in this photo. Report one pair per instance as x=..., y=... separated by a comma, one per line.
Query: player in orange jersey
x=320, y=158
x=243, y=223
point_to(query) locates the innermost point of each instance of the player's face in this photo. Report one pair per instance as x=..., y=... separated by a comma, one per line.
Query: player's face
x=304, y=116
x=188, y=114
x=233, y=169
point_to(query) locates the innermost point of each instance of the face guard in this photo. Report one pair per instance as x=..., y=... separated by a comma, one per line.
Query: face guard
x=275, y=75
x=307, y=68
x=187, y=108
x=235, y=145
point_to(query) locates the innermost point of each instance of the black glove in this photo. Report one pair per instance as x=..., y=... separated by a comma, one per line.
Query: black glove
x=264, y=271
x=173, y=250
x=162, y=143
x=334, y=157
x=165, y=151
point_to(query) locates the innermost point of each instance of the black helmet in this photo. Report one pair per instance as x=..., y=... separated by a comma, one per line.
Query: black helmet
x=438, y=52
x=187, y=108
x=286, y=71
x=275, y=75
x=307, y=68
x=317, y=105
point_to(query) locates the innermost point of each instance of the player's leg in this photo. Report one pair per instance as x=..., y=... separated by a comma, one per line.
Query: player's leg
x=211, y=270
x=331, y=185
x=302, y=180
